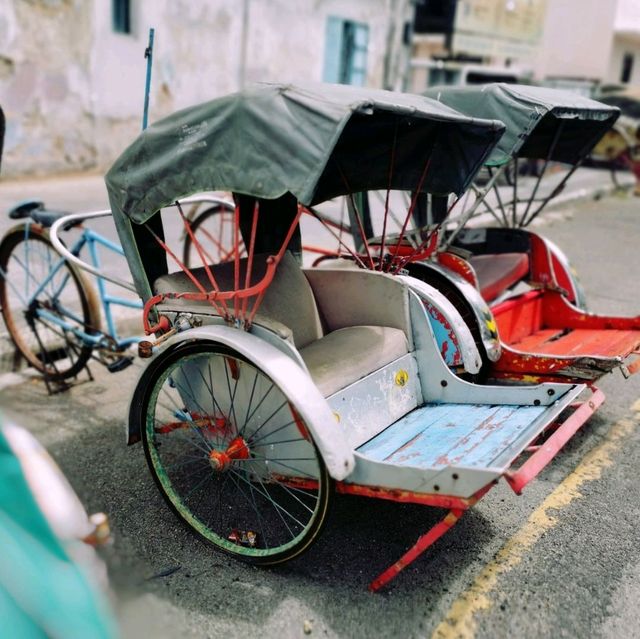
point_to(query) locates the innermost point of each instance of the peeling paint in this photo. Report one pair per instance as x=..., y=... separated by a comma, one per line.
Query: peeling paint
x=72, y=88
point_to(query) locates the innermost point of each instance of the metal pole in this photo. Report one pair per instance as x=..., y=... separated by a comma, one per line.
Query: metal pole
x=244, y=34
x=148, y=54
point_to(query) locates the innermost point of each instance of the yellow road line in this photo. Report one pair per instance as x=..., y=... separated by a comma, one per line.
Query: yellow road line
x=460, y=621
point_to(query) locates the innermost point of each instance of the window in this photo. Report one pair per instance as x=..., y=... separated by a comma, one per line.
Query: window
x=627, y=67
x=121, y=14
x=345, y=59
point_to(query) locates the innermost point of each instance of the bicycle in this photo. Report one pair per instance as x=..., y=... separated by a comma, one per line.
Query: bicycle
x=51, y=311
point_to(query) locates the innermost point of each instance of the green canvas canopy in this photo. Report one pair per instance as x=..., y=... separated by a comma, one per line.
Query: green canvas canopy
x=314, y=142
x=537, y=119
x=307, y=140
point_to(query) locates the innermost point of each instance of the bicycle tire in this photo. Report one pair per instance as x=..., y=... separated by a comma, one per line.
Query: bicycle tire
x=266, y=506
x=216, y=241
x=26, y=257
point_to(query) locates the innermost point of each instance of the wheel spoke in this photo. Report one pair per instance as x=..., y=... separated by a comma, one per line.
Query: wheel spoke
x=231, y=482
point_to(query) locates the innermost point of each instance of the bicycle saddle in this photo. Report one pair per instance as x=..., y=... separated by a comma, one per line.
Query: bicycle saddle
x=39, y=214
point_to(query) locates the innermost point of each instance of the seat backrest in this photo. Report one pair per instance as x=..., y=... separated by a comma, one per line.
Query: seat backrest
x=358, y=297
x=288, y=300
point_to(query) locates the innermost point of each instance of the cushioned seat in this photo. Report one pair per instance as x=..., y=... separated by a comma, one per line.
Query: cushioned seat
x=498, y=272
x=360, y=337
x=349, y=354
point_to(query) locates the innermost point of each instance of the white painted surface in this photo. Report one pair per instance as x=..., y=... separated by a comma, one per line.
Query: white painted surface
x=73, y=89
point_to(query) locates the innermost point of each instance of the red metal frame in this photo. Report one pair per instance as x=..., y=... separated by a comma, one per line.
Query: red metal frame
x=543, y=454
x=216, y=297
x=585, y=356
x=517, y=478
x=455, y=505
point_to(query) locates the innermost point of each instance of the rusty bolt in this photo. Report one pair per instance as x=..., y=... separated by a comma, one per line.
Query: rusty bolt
x=145, y=349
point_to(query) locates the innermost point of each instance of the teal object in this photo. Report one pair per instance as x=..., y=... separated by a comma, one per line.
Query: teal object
x=532, y=116
x=43, y=592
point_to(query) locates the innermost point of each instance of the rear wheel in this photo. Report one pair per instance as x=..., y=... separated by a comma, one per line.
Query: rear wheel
x=231, y=454
x=215, y=231
x=44, y=300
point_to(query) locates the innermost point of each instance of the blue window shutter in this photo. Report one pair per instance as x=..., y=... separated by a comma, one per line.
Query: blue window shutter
x=333, y=49
x=358, y=62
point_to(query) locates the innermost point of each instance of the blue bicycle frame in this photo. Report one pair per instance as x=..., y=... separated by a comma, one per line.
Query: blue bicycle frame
x=91, y=239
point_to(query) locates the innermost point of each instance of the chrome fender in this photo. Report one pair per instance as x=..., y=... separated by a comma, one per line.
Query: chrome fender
x=288, y=375
x=570, y=273
x=481, y=311
x=447, y=324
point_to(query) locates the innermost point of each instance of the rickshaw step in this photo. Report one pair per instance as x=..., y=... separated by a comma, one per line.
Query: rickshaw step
x=457, y=449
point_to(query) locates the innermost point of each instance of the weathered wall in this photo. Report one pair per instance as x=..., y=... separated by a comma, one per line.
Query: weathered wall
x=626, y=40
x=577, y=39
x=73, y=89
x=622, y=45
x=44, y=84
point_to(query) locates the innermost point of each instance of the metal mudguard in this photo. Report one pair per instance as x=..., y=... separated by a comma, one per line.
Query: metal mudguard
x=434, y=274
x=454, y=338
x=287, y=374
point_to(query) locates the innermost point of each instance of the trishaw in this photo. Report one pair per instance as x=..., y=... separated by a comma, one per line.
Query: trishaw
x=270, y=387
x=619, y=148
x=536, y=302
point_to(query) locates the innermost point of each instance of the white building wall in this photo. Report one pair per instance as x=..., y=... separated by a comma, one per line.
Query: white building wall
x=626, y=40
x=72, y=89
x=621, y=46
x=577, y=39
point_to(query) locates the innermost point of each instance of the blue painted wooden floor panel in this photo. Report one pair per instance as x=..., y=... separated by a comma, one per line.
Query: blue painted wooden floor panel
x=441, y=435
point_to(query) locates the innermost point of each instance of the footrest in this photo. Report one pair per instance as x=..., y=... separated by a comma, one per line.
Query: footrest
x=455, y=449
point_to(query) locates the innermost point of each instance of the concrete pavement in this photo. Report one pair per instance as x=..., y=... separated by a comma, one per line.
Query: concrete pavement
x=561, y=560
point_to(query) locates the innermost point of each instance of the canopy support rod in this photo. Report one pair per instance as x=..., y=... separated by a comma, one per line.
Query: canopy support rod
x=185, y=269
x=196, y=243
x=341, y=242
x=500, y=219
x=514, y=208
x=553, y=193
x=503, y=210
x=386, y=200
x=358, y=216
x=466, y=216
x=552, y=148
x=416, y=251
x=275, y=260
x=414, y=200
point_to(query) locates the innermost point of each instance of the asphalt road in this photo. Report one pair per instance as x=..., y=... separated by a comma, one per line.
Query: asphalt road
x=562, y=560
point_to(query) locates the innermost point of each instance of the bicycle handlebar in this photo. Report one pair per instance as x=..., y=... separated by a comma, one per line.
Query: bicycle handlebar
x=74, y=217
x=74, y=259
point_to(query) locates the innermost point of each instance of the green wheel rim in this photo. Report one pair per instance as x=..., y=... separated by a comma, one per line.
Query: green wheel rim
x=232, y=456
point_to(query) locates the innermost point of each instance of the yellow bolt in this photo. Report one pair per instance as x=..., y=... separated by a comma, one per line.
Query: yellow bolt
x=402, y=377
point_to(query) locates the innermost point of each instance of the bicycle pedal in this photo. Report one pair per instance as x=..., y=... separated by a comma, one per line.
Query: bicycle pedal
x=119, y=364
